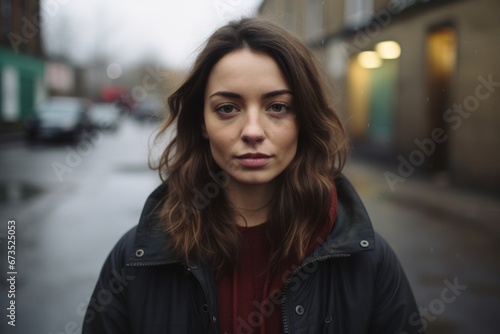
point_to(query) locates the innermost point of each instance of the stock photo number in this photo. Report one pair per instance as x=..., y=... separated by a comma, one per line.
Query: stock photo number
x=11, y=272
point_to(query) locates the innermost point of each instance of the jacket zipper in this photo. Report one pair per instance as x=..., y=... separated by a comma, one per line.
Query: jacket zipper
x=147, y=264
x=211, y=316
x=286, y=330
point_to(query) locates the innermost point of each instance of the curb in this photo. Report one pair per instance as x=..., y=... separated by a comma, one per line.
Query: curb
x=480, y=210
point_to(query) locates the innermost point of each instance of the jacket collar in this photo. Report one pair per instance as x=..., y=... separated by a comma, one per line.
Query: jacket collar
x=352, y=231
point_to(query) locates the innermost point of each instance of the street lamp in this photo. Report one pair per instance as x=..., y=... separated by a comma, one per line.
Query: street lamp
x=369, y=59
x=388, y=50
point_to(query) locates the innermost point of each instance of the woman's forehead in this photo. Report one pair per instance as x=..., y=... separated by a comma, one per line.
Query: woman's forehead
x=244, y=70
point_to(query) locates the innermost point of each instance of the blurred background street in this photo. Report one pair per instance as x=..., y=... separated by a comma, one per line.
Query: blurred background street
x=417, y=84
x=66, y=229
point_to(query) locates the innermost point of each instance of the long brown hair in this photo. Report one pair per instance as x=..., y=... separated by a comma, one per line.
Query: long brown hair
x=197, y=216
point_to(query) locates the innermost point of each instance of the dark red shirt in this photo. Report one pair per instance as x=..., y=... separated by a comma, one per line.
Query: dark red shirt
x=241, y=291
x=246, y=294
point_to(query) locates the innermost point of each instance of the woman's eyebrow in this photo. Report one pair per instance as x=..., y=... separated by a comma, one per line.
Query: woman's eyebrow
x=276, y=93
x=267, y=95
x=227, y=94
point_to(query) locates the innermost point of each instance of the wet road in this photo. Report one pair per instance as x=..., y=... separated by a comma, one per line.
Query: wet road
x=72, y=205
x=451, y=264
x=70, y=220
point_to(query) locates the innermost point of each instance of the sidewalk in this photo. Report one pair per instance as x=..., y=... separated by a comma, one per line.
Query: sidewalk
x=465, y=206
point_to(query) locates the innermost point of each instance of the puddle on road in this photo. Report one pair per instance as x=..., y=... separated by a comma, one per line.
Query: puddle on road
x=13, y=191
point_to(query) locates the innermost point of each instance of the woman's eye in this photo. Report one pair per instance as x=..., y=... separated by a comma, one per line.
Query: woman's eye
x=225, y=109
x=279, y=108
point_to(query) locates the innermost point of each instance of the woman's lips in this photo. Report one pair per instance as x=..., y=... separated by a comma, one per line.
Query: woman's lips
x=253, y=160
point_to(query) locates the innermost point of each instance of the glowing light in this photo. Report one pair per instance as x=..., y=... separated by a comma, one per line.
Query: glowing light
x=369, y=59
x=114, y=71
x=388, y=50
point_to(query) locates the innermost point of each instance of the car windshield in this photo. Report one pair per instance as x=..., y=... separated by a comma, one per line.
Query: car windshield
x=59, y=110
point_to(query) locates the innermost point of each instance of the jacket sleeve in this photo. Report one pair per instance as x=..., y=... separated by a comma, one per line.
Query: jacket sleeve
x=395, y=309
x=107, y=310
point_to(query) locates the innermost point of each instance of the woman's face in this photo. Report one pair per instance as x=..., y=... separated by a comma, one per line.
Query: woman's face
x=250, y=122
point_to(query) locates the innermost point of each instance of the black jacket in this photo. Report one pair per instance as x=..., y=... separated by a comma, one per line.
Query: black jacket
x=352, y=283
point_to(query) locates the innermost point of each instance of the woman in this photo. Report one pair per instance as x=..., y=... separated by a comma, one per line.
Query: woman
x=254, y=229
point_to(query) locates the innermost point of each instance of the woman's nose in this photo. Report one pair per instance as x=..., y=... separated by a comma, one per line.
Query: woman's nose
x=253, y=130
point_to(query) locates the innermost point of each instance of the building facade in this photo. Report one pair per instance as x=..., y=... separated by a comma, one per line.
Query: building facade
x=417, y=82
x=22, y=65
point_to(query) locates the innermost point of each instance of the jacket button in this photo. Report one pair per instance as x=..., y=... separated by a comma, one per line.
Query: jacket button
x=364, y=243
x=299, y=309
x=139, y=253
x=328, y=319
x=204, y=308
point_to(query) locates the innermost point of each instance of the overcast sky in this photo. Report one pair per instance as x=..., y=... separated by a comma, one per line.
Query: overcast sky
x=127, y=31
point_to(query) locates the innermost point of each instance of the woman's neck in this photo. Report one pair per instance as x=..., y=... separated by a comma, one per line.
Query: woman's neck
x=251, y=202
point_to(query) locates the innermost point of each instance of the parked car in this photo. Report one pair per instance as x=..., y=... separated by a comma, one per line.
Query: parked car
x=105, y=116
x=59, y=118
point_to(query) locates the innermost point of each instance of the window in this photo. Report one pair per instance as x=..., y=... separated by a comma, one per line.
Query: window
x=290, y=19
x=6, y=10
x=358, y=12
x=314, y=19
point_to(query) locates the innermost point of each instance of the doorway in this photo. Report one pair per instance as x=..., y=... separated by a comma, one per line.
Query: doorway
x=441, y=46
